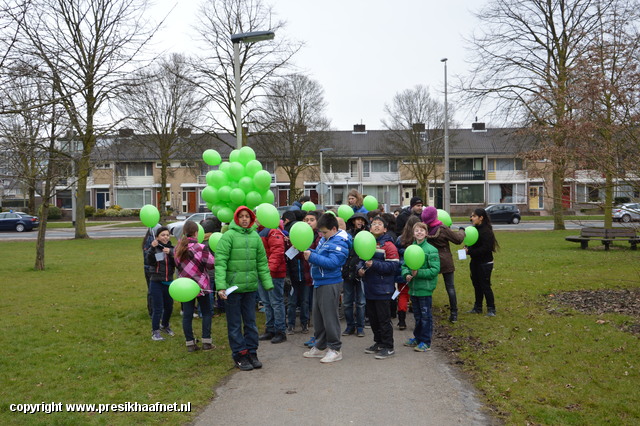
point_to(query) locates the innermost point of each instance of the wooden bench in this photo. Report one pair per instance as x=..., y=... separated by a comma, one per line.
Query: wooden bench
x=606, y=236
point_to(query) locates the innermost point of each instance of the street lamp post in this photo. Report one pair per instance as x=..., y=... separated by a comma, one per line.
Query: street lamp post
x=236, y=39
x=447, y=182
x=320, y=184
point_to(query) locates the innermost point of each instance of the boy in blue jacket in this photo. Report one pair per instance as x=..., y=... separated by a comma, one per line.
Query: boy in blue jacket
x=379, y=276
x=326, y=271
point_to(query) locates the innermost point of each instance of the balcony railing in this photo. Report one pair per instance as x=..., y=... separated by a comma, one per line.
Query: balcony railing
x=466, y=175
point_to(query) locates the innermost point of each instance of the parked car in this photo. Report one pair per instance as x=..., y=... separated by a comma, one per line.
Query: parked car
x=175, y=228
x=508, y=213
x=18, y=221
x=626, y=212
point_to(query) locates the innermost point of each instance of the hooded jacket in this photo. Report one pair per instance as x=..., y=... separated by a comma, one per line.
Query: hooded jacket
x=241, y=259
x=273, y=241
x=379, y=280
x=327, y=259
x=426, y=279
x=440, y=240
x=161, y=270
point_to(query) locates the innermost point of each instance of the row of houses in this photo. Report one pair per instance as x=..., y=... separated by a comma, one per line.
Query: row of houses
x=486, y=167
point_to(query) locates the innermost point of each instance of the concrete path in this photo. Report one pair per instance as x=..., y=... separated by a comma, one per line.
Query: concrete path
x=409, y=388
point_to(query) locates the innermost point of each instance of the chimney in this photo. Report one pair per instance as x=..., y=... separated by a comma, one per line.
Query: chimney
x=125, y=133
x=359, y=128
x=478, y=127
x=184, y=132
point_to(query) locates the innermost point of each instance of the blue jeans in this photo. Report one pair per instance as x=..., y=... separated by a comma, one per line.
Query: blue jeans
x=353, y=292
x=241, y=310
x=162, y=304
x=299, y=297
x=204, y=302
x=273, y=301
x=424, y=319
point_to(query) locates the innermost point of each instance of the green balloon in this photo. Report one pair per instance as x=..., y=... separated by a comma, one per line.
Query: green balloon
x=246, y=184
x=214, y=209
x=253, y=199
x=237, y=196
x=218, y=178
x=149, y=215
x=365, y=245
x=444, y=217
x=225, y=214
x=211, y=157
x=224, y=166
x=345, y=212
x=301, y=235
x=184, y=289
x=262, y=180
x=414, y=257
x=236, y=171
x=252, y=167
x=213, y=240
x=200, y=233
x=308, y=206
x=470, y=236
x=246, y=154
x=370, y=203
x=210, y=194
x=224, y=194
x=234, y=156
x=331, y=212
x=268, y=215
x=268, y=197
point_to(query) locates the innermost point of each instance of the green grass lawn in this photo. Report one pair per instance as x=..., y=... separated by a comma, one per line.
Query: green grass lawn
x=544, y=363
x=79, y=333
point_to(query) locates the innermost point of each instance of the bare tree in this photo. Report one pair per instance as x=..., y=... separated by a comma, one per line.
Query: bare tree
x=415, y=123
x=160, y=103
x=295, y=125
x=85, y=48
x=525, y=53
x=260, y=63
x=608, y=100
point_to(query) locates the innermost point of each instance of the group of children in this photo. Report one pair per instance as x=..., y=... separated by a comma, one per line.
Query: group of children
x=248, y=263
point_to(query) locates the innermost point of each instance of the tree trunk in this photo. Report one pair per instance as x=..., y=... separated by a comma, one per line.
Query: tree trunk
x=81, y=189
x=40, y=242
x=294, y=191
x=558, y=180
x=608, y=200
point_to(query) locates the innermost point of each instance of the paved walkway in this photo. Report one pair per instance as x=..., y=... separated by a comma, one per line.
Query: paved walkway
x=409, y=388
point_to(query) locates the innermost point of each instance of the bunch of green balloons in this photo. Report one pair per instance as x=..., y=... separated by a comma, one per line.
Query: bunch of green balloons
x=241, y=181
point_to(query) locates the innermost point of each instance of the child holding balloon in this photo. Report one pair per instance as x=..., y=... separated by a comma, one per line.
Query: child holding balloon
x=162, y=266
x=240, y=261
x=193, y=261
x=422, y=281
x=481, y=265
x=439, y=236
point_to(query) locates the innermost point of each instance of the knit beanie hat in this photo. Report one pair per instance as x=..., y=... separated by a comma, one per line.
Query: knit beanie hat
x=429, y=214
x=415, y=200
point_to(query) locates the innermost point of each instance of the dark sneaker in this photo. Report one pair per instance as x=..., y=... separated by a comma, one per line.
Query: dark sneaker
x=193, y=348
x=167, y=330
x=360, y=332
x=349, y=331
x=373, y=349
x=155, y=335
x=453, y=317
x=266, y=336
x=208, y=346
x=279, y=338
x=305, y=329
x=475, y=311
x=385, y=353
x=255, y=362
x=290, y=330
x=491, y=313
x=243, y=363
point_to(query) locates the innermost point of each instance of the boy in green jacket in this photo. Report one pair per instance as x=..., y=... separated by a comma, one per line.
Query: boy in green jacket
x=240, y=261
x=422, y=283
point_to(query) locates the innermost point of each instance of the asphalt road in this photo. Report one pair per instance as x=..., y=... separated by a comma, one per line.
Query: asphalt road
x=110, y=231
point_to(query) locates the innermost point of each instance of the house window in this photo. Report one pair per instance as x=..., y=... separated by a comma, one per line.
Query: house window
x=588, y=194
x=378, y=191
x=133, y=198
x=135, y=169
x=467, y=194
x=336, y=165
x=269, y=166
x=378, y=166
x=507, y=193
x=465, y=164
x=504, y=164
x=103, y=166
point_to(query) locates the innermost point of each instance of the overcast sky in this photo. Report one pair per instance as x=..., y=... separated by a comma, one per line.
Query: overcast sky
x=362, y=52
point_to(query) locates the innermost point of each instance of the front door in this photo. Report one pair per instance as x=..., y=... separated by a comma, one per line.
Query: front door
x=102, y=200
x=536, y=197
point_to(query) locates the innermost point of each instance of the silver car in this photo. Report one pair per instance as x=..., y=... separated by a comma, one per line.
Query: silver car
x=626, y=212
x=175, y=228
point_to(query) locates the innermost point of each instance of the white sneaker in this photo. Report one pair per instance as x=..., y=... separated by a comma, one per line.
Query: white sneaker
x=332, y=356
x=315, y=353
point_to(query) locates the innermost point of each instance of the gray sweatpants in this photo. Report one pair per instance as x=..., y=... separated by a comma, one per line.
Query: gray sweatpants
x=326, y=324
